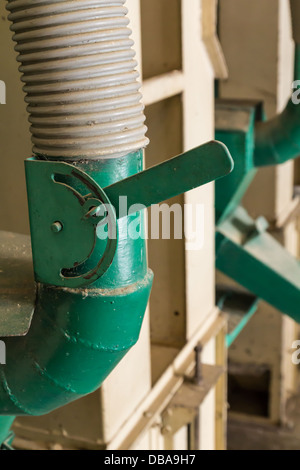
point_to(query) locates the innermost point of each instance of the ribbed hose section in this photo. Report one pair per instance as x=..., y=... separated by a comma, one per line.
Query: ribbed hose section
x=80, y=80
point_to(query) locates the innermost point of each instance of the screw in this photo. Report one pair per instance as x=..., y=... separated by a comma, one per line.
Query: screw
x=56, y=227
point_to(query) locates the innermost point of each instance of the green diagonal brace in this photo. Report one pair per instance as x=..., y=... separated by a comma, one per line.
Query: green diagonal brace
x=254, y=259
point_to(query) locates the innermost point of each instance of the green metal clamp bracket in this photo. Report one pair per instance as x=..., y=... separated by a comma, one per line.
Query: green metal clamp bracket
x=62, y=234
x=64, y=206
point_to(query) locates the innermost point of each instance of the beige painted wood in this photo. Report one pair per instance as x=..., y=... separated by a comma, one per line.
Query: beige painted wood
x=178, y=441
x=159, y=397
x=211, y=40
x=14, y=136
x=162, y=87
x=166, y=257
x=207, y=411
x=161, y=26
x=180, y=273
x=198, y=118
x=221, y=393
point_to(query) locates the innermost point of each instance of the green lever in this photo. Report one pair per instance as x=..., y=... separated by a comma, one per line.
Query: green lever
x=175, y=176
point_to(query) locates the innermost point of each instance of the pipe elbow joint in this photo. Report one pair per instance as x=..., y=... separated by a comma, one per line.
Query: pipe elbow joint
x=76, y=339
x=278, y=140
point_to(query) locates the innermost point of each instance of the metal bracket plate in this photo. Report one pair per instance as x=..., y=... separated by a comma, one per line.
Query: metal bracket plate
x=64, y=202
x=185, y=404
x=63, y=230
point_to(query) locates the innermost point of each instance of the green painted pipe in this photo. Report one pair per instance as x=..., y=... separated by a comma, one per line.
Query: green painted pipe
x=79, y=333
x=278, y=140
x=80, y=112
x=244, y=251
x=78, y=336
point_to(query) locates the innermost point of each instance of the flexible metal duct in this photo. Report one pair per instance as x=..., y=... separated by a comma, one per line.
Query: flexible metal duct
x=80, y=80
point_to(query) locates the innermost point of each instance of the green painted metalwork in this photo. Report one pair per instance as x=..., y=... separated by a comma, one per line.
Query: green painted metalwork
x=78, y=335
x=92, y=292
x=244, y=251
x=187, y=171
x=59, y=197
x=235, y=126
x=64, y=200
x=75, y=340
x=278, y=140
x=259, y=263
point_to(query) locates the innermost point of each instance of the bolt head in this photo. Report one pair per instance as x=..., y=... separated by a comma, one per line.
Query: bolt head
x=56, y=227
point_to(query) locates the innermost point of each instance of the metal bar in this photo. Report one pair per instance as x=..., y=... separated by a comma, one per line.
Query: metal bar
x=175, y=176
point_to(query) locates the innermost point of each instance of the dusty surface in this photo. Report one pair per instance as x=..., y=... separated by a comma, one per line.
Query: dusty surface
x=248, y=436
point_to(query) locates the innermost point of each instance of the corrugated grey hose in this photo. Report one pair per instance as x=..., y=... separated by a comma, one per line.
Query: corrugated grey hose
x=80, y=79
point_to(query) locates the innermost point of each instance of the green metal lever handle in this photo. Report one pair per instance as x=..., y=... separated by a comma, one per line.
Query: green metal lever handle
x=173, y=177
x=64, y=215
